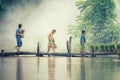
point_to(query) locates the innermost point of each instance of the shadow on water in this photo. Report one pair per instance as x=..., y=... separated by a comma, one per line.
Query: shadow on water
x=69, y=68
x=19, y=69
x=38, y=64
x=2, y=76
x=51, y=68
x=83, y=77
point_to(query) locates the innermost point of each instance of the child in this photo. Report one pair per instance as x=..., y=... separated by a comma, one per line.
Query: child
x=82, y=42
x=51, y=43
x=18, y=37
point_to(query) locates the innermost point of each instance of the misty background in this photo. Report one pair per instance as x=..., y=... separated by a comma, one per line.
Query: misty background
x=38, y=17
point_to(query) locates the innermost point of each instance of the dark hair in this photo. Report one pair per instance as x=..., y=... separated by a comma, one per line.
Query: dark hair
x=54, y=30
x=20, y=25
x=83, y=31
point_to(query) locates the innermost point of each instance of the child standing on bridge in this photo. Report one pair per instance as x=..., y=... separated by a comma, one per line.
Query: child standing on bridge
x=19, y=34
x=82, y=42
x=51, y=43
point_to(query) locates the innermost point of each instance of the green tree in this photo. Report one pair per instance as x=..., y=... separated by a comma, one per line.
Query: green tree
x=98, y=17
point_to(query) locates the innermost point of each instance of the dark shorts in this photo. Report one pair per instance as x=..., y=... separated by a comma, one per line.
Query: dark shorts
x=82, y=47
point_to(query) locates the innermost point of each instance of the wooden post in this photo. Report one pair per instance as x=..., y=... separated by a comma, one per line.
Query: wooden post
x=68, y=43
x=67, y=46
x=2, y=52
x=93, y=54
x=38, y=49
x=70, y=39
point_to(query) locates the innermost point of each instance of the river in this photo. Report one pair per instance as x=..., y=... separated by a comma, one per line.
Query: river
x=59, y=68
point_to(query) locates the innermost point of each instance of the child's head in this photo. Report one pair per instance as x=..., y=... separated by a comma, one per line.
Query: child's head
x=19, y=26
x=53, y=31
x=83, y=31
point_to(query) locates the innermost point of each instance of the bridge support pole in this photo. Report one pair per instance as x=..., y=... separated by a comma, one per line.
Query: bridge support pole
x=93, y=54
x=38, y=51
x=68, y=43
x=2, y=53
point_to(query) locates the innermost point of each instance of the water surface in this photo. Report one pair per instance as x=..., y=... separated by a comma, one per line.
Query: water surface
x=59, y=68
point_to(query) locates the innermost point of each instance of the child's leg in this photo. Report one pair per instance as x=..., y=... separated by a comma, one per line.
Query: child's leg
x=53, y=49
x=18, y=49
x=82, y=49
x=48, y=49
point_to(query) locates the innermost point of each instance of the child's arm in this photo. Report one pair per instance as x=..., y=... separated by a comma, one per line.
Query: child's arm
x=83, y=40
x=50, y=37
x=18, y=33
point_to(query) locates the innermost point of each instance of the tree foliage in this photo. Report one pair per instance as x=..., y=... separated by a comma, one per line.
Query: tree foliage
x=98, y=17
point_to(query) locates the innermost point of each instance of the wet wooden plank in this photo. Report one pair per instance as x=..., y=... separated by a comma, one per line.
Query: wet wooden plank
x=6, y=54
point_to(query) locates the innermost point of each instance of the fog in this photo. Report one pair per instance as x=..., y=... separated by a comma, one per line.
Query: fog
x=38, y=21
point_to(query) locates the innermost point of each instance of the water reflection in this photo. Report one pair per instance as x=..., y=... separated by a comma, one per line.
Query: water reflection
x=19, y=69
x=38, y=64
x=2, y=68
x=69, y=68
x=51, y=68
x=83, y=77
x=59, y=68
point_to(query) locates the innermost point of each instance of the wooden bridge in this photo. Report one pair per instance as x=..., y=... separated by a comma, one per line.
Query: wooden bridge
x=68, y=54
x=8, y=54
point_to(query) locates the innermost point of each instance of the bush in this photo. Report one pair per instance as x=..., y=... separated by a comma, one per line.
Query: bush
x=118, y=52
x=102, y=48
x=96, y=48
x=118, y=46
x=92, y=47
x=112, y=47
x=106, y=46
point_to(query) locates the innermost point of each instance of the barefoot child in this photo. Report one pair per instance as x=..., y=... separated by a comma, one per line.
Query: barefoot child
x=51, y=43
x=19, y=35
x=82, y=42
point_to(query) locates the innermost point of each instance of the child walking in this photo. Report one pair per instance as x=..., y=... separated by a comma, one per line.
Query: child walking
x=82, y=42
x=51, y=43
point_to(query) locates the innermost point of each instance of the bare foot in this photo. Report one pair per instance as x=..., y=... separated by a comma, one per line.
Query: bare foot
x=18, y=49
x=15, y=47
